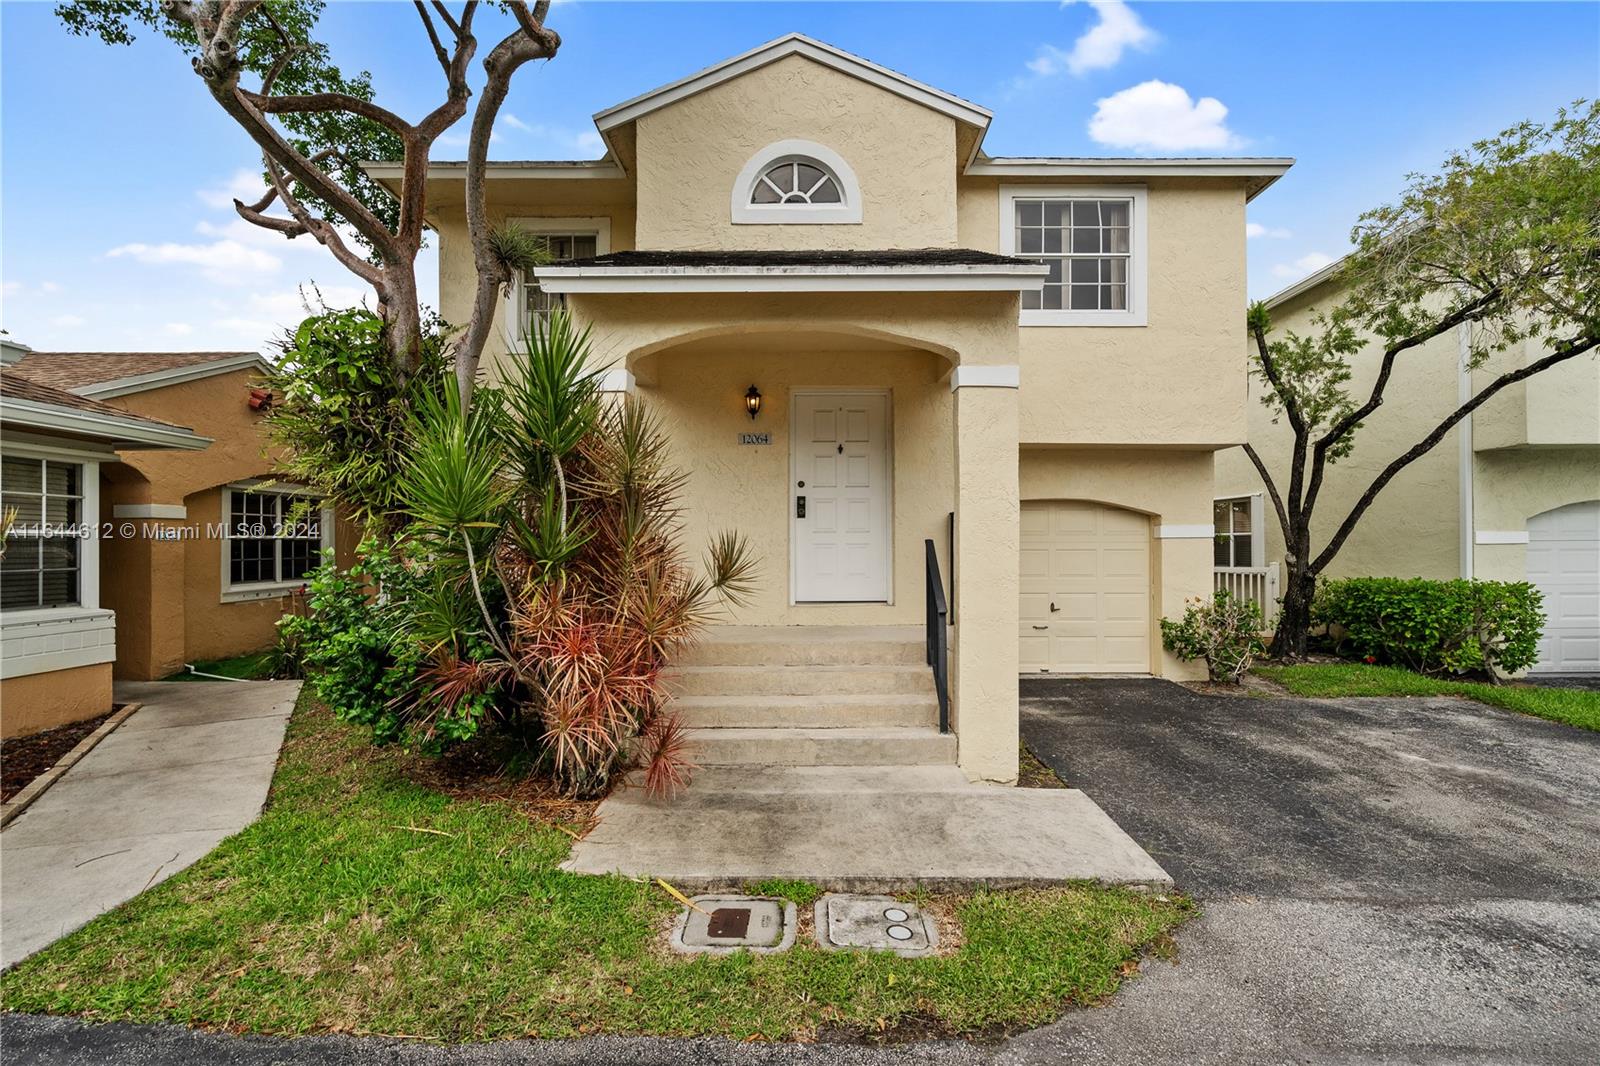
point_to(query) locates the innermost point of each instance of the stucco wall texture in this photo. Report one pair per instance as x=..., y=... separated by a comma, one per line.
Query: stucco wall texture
x=36, y=702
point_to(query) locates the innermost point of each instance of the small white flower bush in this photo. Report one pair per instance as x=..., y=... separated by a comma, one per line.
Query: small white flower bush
x=1225, y=632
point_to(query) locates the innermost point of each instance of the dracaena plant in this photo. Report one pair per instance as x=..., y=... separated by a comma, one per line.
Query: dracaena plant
x=553, y=513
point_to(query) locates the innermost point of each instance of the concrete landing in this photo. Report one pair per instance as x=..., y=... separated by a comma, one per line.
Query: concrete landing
x=189, y=768
x=860, y=829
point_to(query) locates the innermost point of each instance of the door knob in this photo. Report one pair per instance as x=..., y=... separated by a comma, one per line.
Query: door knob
x=1054, y=608
x=1041, y=627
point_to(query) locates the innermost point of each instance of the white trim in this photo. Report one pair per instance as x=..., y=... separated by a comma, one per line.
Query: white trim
x=790, y=491
x=746, y=213
x=1137, y=313
x=985, y=377
x=60, y=638
x=617, y=380
x=157, y=379
x=52, y=447
x=771, y=52
x=1502, y=536
x=524, y=170
x=264, y=590
x=150, y=510
x=1186, y=532
x=966, y=277
x=1267, y=169
x=122, y=432
x=1307, y=283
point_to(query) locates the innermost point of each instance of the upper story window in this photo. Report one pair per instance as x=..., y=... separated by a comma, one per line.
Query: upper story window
x=43, y=560
x=1092, y=240
x=1234, y=535
x=565, y=239
x=796, y=183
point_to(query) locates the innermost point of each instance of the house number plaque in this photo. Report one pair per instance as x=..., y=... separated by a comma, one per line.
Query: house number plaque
x=755, y=438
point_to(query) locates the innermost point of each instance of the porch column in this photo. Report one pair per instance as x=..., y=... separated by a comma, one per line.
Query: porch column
x=985, y=662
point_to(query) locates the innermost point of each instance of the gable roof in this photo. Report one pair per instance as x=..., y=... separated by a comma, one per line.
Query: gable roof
x=108, y=374
x=790, y=45
x=1314, y=280
x=30, y=404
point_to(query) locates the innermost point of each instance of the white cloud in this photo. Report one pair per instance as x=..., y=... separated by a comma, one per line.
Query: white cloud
x=49, y=286
x=246, y=185
x=590, y=141
x=1156, y=116
x=225, y=260
x=1256, y=229
x=516, y=123
x=68, y=321
x=1116, y=29
x=1306, y=265
x=178, y=329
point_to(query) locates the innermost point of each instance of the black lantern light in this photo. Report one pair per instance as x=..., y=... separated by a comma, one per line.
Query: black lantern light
x=752, y=401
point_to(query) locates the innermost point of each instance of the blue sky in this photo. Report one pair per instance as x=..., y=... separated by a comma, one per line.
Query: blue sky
x=116, y=230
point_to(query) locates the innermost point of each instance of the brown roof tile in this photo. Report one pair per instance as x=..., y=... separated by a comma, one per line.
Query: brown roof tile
x=19, y=387
x=76, y=370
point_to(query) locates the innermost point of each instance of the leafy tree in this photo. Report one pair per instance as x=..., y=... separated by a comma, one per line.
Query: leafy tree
x=1502, y=243
x=314, y=124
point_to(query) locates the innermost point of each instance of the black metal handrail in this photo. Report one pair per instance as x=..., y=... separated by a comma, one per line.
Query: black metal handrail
x=938, y=636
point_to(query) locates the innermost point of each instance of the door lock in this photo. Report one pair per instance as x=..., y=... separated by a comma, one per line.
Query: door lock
x=799, y=506
x=1054, y=608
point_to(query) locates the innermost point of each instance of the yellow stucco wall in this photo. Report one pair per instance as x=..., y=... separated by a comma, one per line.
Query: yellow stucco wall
x=34, y=702
x=1173, y=488
x=1511, y=486
x=691, y=152
x=1180, y=380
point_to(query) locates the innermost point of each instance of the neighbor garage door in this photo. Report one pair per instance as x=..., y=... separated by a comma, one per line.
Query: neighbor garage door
x=1564, y=564
x=1085, y=589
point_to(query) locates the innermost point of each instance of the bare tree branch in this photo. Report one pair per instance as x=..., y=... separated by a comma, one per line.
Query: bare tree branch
x=433, y=37
x=1272, y=490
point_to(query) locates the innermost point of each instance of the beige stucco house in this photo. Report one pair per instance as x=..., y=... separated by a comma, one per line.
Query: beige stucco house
x=1026, y=363
x=1512, y=494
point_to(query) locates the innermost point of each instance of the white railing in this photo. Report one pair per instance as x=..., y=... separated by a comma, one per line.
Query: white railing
x=1258, y=583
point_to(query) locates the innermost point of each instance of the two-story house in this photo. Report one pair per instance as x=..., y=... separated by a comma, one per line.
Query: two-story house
x=869, y=338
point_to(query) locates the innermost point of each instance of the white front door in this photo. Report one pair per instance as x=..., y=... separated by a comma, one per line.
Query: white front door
x=839, y=496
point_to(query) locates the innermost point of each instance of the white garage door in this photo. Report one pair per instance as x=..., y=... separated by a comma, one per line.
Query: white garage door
x=1085, y=589
x=1564, y=564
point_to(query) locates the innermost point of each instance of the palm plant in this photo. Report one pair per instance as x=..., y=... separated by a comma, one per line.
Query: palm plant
x=556, y=514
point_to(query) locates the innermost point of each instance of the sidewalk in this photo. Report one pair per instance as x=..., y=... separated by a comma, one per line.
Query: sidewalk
x=187, y=770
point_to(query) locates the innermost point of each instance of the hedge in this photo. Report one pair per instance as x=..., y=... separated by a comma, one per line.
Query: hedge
x=1490, y=627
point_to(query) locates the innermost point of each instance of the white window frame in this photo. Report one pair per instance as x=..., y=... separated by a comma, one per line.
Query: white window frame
x=1137, y=312
x=264, y=590
x=88, y=518
x=516, y=306
x=745, y=213
x=1258, y=529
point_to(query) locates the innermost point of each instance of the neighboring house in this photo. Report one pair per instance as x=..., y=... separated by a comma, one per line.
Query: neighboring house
x=58, y=632
x=1027, y=363
x=1512, y=494
x=191, y=557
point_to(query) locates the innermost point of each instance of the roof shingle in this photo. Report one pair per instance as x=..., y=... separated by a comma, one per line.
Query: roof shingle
x=19, y=387
x=76, y=370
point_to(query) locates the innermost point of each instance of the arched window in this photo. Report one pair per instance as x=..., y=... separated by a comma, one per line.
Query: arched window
x=796, y=182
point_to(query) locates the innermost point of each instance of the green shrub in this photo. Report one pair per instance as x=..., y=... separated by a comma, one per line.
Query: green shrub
x=1492, y=627
x=351, y=657
x=1225, y=632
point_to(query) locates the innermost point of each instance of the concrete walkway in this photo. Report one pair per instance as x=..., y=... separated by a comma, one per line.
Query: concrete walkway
x=860, y=828
x=185, y=771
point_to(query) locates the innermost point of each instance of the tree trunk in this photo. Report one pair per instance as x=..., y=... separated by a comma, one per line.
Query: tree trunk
x=1294, y=617
x=402, y=319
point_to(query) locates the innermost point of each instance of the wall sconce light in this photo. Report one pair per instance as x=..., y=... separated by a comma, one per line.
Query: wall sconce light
x=752, y=401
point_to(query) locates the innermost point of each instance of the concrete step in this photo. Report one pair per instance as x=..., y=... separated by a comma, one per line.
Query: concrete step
x=827, y=780
x=829, y=712
x=820, y=747
x=764, y=680
x=808, y=646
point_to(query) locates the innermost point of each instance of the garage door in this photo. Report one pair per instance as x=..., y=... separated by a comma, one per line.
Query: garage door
x=1564, y=564
x=1085, y=589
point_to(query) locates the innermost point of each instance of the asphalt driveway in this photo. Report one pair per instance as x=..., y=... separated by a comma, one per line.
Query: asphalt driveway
x=1381, y=879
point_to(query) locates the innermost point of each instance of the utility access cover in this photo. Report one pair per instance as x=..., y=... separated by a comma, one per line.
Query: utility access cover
x=874, y=923
x=718, y=925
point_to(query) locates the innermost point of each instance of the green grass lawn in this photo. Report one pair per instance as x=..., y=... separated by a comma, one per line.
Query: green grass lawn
x=364, y=902
x=256, y=666
x=1572, y=706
